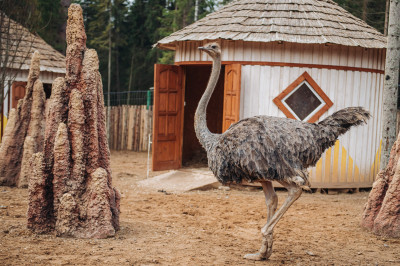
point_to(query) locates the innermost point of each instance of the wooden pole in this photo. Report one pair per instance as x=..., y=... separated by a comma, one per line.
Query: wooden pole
x=109, y=72
x=142, y=137
x=126, y=129
x=391, y=82
x=130, y=83
x=196, y=10
x=130, y=128
x=137, y=131
x=364, y=10
x=385, y=32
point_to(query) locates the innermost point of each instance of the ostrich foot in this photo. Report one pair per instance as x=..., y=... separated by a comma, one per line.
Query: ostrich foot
x=265, y=250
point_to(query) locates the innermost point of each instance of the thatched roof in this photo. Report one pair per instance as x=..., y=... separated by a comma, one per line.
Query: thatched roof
x=20, y=45
x=296, y=21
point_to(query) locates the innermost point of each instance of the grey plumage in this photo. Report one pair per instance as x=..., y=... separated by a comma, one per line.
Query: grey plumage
x=272, y=148
x=265, y=149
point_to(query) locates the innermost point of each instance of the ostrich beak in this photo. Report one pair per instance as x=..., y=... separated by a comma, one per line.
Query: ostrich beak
x=202, y=48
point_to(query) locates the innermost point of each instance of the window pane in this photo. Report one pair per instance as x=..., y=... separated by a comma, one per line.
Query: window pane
x=303, y=101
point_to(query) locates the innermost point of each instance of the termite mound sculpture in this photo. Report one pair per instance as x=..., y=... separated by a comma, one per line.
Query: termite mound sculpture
x=70, y=190
x=24, y=132
x=382, y=211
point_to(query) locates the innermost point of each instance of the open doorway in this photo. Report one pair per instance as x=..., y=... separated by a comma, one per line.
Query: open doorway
x=193, y=155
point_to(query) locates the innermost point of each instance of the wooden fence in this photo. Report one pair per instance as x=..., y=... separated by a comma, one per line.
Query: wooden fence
x=130, y=127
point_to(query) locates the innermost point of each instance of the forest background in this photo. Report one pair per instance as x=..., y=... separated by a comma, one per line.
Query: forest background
x=133, y=26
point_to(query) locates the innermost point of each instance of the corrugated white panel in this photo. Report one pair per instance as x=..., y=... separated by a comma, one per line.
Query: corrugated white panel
x=286, y=53
x=354, y=158
x=22, y=75
x=45, y=77
x=254, y=102
x=49, y=77
x=5, y=102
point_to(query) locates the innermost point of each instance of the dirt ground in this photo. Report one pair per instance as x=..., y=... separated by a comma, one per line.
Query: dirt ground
x=213, y=227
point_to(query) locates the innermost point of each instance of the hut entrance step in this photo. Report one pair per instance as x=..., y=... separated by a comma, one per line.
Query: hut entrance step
x=182, y=180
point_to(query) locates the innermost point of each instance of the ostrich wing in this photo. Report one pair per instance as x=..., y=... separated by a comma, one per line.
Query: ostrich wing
x=264, y=147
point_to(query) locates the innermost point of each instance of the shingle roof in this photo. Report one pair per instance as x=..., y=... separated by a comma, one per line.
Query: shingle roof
x=26, y=43
x=297, y=21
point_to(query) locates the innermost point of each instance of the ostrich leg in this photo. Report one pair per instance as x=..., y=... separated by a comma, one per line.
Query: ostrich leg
x=271, y=199
x=294, y=193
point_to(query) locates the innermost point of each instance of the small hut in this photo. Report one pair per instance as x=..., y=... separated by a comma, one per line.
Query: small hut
x=287, y=58
x=52, y=65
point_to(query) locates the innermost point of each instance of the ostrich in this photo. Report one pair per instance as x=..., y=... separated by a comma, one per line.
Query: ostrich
x=265, y=149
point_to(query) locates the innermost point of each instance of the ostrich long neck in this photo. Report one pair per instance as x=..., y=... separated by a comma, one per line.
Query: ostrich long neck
x=200, y=122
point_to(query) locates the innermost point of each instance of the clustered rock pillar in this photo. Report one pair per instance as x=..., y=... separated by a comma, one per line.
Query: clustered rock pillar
x=24, y=132
x=382, y=211
x=70, y=189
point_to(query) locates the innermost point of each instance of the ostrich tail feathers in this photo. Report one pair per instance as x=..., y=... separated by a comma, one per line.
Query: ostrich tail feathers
x=344, y=119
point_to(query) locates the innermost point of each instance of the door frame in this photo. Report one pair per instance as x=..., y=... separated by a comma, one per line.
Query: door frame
x=176, y=162
x=182, y=80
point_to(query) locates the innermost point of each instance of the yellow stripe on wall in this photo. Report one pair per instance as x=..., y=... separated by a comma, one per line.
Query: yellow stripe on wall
x=377, y=162
x=343, y=165
x=327, y=169
x=337, y=166
x=356, y=174
x=350, y=170
x=335, y=170
x=4, y=125
x=318, y=175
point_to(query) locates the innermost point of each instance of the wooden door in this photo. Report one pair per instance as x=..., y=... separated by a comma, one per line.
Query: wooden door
x=168, y=117
x=18, y=92
x=231, y=95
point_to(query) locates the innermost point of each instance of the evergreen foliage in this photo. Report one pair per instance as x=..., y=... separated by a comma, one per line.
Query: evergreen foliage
x=51, y=21
x=136, y=25
x=374, y=11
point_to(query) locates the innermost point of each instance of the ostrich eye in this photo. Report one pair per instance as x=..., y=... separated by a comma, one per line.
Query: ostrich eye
x=213, y=46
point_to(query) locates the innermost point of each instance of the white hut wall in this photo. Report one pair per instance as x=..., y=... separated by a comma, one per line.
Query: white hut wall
x=46, y=77
x=355, y=157
x=338, y=55
x=354, y=160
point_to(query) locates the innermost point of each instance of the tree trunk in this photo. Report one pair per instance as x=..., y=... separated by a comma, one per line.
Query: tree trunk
x=385, y=31
x=109, y=71
x=391, y=83
x=130, y=82
x=70, y=191
x=196, y=10
x=364, y=10
x=26, y=120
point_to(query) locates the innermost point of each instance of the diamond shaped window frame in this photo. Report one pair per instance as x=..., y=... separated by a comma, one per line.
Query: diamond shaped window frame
x=316, y=114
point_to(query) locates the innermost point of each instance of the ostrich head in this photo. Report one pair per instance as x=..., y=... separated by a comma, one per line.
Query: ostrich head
x=212, y=49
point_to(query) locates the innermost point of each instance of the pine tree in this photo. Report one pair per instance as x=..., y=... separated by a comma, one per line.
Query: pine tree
x=52, y=18
x=136, y=26
x=372, y=12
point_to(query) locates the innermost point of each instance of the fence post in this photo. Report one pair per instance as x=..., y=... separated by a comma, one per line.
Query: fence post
x=148, y=99
x=130, y=127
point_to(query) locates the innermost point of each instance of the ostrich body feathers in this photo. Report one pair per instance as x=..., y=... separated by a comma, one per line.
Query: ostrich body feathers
x=272, y=148
x=265, y=148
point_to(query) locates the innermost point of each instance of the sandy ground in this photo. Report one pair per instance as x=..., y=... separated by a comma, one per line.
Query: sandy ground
x=213, y=227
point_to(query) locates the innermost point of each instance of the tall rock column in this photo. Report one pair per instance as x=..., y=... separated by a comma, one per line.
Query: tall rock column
x=24, y=132
x=382, y=211
x=71, y=191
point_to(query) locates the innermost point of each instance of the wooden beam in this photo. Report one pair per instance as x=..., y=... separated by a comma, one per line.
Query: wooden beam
x=283, y=64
